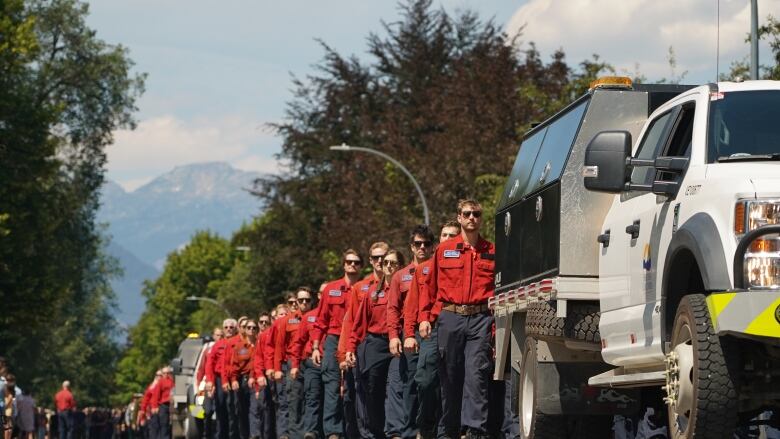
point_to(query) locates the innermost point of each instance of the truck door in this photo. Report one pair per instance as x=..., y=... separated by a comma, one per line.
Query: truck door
x=631, y=322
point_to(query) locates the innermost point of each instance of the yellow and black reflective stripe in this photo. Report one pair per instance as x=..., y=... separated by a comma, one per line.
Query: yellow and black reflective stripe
x=752, y=312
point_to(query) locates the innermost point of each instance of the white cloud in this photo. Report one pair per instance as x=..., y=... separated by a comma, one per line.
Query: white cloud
x=159, y=144
x=640, y=32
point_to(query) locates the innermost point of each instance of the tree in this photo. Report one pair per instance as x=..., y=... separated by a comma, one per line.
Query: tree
x=204, y=267
x=62, y=93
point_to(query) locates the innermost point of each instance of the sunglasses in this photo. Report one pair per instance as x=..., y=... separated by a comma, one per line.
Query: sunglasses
x=449, y=235
x=251, y=328
x=377, y=257
x=390, y=263
x=304, y=300
x=353, y=262
x=264, y=322
x=291, y=301
x=229, y=327
x=418, y=244
x=468, y=213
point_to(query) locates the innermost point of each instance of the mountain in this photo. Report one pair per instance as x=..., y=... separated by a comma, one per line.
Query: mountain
x=162, y=215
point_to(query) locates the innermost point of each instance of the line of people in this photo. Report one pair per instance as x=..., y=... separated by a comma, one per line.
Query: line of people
x=406, y=350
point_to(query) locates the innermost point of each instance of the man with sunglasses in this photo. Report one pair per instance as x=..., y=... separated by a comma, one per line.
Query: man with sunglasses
x=402, y=392
x=354, y=396
x=328, y=326
x=311, y=373
x=462, y=281
x=285, y=339
x=214, y=380
x=237, y=371
x=425, y=343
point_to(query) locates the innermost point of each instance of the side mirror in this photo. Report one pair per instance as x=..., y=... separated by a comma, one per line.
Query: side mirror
x=176, y=365
x=605, y=167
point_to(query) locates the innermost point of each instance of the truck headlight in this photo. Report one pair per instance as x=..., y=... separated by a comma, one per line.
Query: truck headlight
x=762, y=260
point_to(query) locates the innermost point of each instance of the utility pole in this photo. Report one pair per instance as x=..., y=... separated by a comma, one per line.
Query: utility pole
x=754, y=39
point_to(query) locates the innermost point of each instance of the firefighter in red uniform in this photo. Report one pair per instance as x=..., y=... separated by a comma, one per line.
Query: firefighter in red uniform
x=152, y=419
x=402, y=391
x=238, y=371
x=208, y=401
x=462, y=281
x=214, y=385
x=328, y=327
x=301, y=365
x=426, y=375
x=261, y=423
x=284, y=343
x=369, y=339
x=145, y=410
x=354, y=395
x=161, y=403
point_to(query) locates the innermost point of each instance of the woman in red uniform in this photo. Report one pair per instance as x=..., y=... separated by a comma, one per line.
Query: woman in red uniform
x=369, y=334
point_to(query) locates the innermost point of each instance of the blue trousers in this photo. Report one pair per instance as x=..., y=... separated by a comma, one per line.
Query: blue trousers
x=261, y=415
x=426, y=377
x=464, y=371
x=154, y=427
x=221, y=408
x=239, y=415
x=208, y=414
x=165, y=421
x=332, y=414
x=312, y=391
x=65, y=419
x=294, y=391
x=282, y=409
x=374, y=361
x=408, y=369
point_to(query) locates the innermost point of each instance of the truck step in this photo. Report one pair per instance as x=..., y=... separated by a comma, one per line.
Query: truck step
x=619, y=377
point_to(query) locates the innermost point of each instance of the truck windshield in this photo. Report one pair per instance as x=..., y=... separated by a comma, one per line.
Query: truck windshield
x=743, y=126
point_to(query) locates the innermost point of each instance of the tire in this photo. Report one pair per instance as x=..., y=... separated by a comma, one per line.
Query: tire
x=191, y=427
x=704, y=403
x=581, y=322
x=534, y=424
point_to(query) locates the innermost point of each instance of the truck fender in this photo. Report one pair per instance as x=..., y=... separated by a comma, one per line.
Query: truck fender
x=700, y=236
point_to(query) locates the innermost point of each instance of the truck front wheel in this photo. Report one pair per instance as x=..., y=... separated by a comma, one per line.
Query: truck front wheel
x=533, y=423
x=700, y=384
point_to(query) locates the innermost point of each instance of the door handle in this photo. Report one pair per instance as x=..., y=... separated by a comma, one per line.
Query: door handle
x=604, y=239
x=633, y=230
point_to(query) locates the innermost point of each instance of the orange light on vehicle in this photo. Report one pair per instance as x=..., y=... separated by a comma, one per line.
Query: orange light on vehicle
x=765, y=245
x=739, y=218
x=612, y=81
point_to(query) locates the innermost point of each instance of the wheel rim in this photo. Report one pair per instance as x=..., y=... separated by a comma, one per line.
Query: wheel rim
x=680, y=387
x=527, y=402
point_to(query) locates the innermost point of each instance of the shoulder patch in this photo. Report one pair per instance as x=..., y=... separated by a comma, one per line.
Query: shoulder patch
x=294, y=320
x=364, y=287
x=311, y=319
x=406, y=278
x=334, y=293
x=381, y=294
x=451, y=254
x=426, y=270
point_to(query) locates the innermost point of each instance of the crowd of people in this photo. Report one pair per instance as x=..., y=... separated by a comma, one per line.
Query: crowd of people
x=22, y=418
x=406, y=350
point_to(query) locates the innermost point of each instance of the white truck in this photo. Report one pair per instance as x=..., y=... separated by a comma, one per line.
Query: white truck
x=644, y=273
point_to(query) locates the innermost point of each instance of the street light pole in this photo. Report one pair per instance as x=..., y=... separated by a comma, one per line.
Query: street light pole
x=209, y=300
x=753, y=39
x=345, y=147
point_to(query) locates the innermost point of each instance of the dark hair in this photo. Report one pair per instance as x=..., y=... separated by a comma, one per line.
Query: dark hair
x=451, y=223
x=307, y=289
x=421, y=230
x=351, y=251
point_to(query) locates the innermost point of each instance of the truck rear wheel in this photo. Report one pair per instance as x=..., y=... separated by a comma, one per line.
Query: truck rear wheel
x=581, y=322
x=700, y=385
x=534, y=424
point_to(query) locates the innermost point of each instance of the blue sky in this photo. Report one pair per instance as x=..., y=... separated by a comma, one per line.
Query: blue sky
x=220, y=71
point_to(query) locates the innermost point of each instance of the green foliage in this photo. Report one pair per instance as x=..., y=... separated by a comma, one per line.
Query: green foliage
x=62, y=93
x=208, y=266
x=740, y=69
